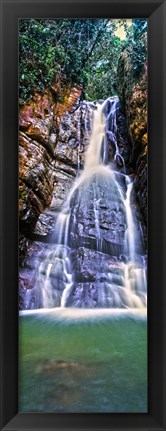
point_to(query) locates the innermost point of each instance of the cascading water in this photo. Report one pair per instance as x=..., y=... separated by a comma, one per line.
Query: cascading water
x=111, y=126
x=97, y=259
x=89, y=284
x=130, y=231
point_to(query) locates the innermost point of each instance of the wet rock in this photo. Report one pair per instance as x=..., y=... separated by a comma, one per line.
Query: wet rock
x=23, y=248
x=44, y=276
x=98, y=213
x=118, y=134
x=60, y=166
x=133, y=96
x=73, y=143
x=67, y=128
x=66, y=154
x=45, y=223
x=36, y=181
x=29, y=296
x=91, y=265
x=140, y=184
x=95, y=295
x=97, y=223
x=34, y=255
x=64, y=183
x=41, y=154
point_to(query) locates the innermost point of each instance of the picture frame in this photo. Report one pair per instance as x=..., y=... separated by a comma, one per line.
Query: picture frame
x=155, y=12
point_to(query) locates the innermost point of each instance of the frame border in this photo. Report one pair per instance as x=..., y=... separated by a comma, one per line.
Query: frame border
x=155, y=11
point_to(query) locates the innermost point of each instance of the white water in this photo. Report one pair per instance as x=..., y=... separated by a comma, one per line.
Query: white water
x=67, y=290
x=96, y=203
x=47, y=297
x=93, y=165
x=129, y=290
x=112, y=134
x=79, y=314
x=130, y=231
x=63, y=227
x=93, y=155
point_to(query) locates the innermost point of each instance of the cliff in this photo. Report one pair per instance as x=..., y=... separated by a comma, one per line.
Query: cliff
x=54, y=135
x=45, y=160
x=133, y=96
x=85, y=237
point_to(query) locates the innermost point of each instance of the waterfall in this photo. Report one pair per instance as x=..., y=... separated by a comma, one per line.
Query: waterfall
x=96, y=215
x=97, y=258
x=93, y=156
x=112, y=128
x=130, y=231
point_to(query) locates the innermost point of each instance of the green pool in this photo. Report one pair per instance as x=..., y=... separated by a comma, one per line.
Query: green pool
x=83, y=361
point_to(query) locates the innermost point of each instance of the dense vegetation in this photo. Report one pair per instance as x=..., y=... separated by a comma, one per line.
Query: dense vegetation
x=83, y=51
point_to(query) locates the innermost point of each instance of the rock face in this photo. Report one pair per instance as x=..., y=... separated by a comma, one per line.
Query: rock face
x=52, y=141
x=98, y=211
x=41, y=162
x=90, y=284
x=80, y=254
x=133, y=96
x=36, y=180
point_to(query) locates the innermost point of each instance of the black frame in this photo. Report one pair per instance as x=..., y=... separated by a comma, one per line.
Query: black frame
x=155, y=11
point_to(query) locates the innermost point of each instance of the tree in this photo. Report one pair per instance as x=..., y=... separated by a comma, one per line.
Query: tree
x=83, y=51
x=49, y=46
x=136, y=45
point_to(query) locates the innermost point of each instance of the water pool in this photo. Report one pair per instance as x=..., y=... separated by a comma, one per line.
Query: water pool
x=83, y=361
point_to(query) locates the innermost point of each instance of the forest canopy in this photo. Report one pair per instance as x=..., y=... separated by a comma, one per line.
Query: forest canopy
x=80, y=51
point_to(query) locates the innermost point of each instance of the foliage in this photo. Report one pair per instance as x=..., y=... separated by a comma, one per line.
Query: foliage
x=103, y=65
x=83, y=51
x=136, y=44
x=48, y=47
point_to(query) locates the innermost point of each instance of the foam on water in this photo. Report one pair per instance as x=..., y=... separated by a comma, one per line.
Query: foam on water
x=78, y=314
